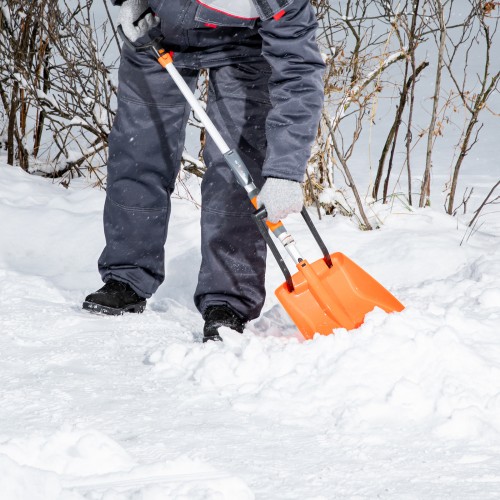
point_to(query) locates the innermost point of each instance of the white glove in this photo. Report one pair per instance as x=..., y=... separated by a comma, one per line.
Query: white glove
x=130, y=11
x=281, y=197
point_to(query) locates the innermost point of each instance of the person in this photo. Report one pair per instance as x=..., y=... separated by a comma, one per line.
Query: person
x=265, y=97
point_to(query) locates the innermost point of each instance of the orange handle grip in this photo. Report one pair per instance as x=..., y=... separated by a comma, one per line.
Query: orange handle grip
x=165, y=58
x=271, y=225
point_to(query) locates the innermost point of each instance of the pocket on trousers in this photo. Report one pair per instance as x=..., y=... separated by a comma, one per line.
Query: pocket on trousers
x=207, y=15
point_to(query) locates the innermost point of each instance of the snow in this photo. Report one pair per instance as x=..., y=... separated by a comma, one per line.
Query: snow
x=5, y=12
x=92, y=462
x=405, y=407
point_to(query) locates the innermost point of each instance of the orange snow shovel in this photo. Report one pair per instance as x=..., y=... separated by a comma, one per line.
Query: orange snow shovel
x=332, y=292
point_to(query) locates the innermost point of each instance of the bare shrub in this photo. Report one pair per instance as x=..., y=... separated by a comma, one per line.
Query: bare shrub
x=58, y=97
x=376, y=53
x=55, y=87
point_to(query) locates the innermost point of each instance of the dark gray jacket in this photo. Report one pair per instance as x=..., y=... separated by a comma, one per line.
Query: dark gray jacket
x=204, y=38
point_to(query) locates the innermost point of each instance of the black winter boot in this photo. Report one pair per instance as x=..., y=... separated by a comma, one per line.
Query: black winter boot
x=217, y=316
x=114, y=298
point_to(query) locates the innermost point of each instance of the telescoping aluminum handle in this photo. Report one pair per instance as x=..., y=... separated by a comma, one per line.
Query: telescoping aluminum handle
x=235, y=163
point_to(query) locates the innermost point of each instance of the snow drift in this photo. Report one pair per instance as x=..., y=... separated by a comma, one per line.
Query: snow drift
x=406, y=406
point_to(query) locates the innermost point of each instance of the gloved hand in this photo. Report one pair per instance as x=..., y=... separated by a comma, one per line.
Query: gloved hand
x=130, y=11
x=281, y=197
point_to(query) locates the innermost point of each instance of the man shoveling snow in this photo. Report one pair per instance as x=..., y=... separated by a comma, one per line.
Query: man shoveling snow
x=265, y=97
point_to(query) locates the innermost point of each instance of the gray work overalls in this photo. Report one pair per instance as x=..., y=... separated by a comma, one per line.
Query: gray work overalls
x=265, y=97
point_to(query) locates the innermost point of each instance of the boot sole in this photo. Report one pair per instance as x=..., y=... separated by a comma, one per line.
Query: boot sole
x=112, y=311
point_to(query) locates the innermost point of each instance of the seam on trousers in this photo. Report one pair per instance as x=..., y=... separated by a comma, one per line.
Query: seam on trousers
x=241, y=98
x=157, y=281
x=180, y=148
x=226, y=58
x=151, y=104
x=228, y=214
x=137, y=209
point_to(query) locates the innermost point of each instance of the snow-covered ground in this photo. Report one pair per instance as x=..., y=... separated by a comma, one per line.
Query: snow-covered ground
x=136, y=407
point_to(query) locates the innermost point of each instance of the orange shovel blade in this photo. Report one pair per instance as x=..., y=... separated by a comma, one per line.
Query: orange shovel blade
x=337, y=297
